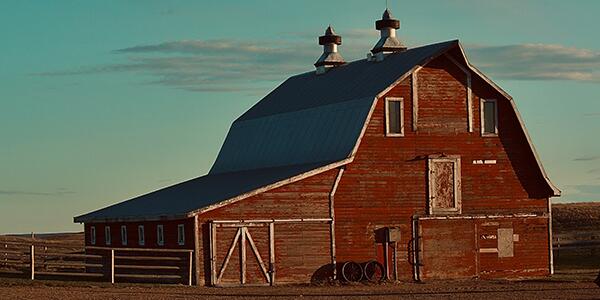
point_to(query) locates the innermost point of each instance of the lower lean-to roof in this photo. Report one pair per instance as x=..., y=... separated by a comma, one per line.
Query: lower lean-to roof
x=178, y=200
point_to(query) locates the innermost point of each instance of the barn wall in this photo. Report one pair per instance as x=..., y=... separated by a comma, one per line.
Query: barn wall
x=169, y=228
x=460, y=248
x=386, y=183
x=300, y=248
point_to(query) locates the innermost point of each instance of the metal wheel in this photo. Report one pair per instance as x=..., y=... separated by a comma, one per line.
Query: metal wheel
x=352, y=272
x=374, y=271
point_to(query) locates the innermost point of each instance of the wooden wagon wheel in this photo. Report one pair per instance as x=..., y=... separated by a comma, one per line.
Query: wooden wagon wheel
x=352, y=272
x=374, y=271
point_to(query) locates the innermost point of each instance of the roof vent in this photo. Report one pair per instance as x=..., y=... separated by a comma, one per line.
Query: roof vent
x=388, y=43
x=330, y=57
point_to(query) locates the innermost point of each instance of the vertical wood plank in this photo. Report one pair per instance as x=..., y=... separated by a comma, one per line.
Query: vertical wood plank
x=190, y=268
x=213, y=254
x=469, y=103
x=243, y=256
x=112, y=265
x=415, y=100
x=32, y=260
x=272, y=252
x=196, y=265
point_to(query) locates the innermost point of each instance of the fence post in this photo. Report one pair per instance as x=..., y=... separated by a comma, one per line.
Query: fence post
x=558, y=247
x=190, y=270
x=32, y=261
x=112, y=265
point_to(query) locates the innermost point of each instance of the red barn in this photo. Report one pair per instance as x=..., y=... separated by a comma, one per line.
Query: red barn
x=411, y=157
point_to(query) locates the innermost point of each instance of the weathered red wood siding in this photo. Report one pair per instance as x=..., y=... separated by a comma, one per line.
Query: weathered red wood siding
x=386, y=183
x=456, y=248
x=150, y=234
x=300, y=248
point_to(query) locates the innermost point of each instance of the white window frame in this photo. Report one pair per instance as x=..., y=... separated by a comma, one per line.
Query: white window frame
x=482, y=117
x=387, y=116
x=107, y=236
x=124, y=235
x=160, y=235
x=141, y=235
x=455, y=159
x=181, y=234
x=93, y=235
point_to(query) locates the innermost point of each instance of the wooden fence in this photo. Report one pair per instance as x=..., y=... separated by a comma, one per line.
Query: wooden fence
x=66, y=260
x=580, y=242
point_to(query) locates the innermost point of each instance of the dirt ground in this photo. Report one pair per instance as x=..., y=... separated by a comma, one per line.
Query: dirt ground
x=563, y=286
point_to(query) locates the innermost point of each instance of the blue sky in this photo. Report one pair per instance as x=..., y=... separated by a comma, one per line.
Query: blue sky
x=105, y=100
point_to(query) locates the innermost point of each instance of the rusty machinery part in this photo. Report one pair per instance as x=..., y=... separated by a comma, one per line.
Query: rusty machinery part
x=352, y=271
x=373, y=271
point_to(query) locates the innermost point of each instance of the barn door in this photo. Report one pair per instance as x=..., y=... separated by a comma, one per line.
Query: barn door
x=444, y=185
x=242, y=257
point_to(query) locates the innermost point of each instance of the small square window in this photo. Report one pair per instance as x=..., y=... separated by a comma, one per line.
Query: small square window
x=160, y=235
x=107, y=235
x=489, y=117
x=180, y=234
x=123, y=235
x=394, y=116
x=141, y=240
x=93, y=235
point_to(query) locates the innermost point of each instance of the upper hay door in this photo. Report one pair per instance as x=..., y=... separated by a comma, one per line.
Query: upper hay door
x=444, y=185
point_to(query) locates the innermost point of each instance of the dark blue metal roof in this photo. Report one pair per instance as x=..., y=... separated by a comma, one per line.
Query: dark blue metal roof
x=312, y=117
x=307, y=122
x=177, y=200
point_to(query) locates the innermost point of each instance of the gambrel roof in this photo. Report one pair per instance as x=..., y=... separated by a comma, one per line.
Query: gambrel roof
x=309, y=124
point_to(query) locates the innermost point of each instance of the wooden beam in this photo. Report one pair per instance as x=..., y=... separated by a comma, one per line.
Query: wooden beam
x=197, y=249
x=257, y=255
x=272, y=252
x=415, y=99
x=190, y=270
x=32, y=261
x=112, y=265
x=332, y=223
x=213, y=254
x=243, y=256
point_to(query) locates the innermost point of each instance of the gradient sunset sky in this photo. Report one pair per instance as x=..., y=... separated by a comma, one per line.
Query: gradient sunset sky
x=102, y=101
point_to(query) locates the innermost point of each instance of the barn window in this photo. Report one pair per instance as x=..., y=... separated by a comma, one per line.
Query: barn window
x=489, y=117
x=107, y=235
x=141, y=240
x=123, y=235
x=394, y=116
x=160, y=235
x=180, y=234
x=93, y=235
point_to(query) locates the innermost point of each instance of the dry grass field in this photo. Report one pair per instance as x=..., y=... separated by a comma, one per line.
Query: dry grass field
x=576, y=268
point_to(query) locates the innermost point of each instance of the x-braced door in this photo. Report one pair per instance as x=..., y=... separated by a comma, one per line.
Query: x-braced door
x=250, y=266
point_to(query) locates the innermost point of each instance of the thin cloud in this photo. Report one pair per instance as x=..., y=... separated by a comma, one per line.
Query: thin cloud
x=537, y=62
x=592, y=171
x=255, y=66
x=587, y=158
x=594, y=114
x=57, y=193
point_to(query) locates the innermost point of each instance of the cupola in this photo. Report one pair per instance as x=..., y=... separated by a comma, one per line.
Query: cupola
x=330, y=57
x=388, y=42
